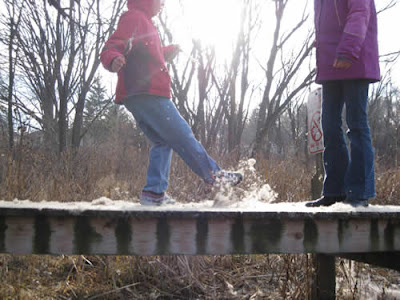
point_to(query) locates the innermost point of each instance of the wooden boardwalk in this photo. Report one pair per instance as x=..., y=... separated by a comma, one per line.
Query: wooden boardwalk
x=369, y=235
x=29, y=228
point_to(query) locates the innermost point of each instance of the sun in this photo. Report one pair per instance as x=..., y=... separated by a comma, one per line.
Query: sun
x=213, y=23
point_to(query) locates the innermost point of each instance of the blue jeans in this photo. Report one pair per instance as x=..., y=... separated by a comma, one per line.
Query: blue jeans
x=351, y=175
x=161, y=122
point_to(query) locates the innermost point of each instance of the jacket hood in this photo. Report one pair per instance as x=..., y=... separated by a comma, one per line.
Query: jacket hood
x=147, y=6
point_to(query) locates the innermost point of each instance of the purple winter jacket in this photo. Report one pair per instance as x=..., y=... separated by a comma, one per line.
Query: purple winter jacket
x=346, y=29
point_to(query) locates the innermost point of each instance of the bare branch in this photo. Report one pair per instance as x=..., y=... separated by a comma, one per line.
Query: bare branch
x=389, y=5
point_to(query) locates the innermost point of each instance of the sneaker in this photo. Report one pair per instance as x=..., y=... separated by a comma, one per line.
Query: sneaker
x=325, y=201
x=357, y=202
x=153, y=199
x=226, y=177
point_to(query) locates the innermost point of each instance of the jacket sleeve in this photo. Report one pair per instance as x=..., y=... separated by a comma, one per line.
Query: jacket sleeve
x=120, y=41
x=355, y=30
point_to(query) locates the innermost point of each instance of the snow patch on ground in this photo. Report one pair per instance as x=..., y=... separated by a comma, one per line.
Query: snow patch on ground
x=368, y=285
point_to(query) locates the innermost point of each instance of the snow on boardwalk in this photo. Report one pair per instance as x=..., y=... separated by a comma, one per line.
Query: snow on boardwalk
x=251, y=205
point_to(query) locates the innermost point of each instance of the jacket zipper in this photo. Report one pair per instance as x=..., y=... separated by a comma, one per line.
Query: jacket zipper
x=317, y=30
x=337, y=13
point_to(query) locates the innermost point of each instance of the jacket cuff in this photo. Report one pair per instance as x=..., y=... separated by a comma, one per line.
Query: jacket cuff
x=349, y=47
x=343, y=57
x=107, y=57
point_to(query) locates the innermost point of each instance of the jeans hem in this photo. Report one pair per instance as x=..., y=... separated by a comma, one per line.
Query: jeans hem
x=356, y=198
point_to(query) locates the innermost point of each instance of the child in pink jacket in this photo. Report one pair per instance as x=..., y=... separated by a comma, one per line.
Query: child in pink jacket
x=135, y=52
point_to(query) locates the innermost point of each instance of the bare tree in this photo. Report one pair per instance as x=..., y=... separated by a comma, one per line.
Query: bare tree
x=11, y=21
x=230, y=107
x=388, y=5
x=238, y=112
x=222, y=105
x=201, y=62
x=383, y=106
x=92, y=34
x=59, y=59
x=281, y=86
x=297, y=114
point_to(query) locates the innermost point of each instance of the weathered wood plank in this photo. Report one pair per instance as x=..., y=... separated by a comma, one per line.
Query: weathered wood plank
x=159, y=232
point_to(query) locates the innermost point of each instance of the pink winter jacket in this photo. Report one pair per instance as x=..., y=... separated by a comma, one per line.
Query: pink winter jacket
x=137, y=39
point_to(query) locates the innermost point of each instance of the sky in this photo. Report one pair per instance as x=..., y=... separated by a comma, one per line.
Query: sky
x=216, y=22
x=388, y=42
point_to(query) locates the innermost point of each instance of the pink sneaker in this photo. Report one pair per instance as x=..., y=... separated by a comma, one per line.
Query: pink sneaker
x=153, y=199
x=227, y=177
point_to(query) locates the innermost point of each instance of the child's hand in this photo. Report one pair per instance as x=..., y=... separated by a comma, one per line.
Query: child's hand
x=118, y=63
x=176, y=51
x=342, y=63
x=172, y=52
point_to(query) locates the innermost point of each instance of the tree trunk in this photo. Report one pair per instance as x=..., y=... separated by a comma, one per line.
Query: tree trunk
x=78, y=121
x=11, y=88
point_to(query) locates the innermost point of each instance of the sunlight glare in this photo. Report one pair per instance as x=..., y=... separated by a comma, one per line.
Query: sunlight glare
x=213, y=22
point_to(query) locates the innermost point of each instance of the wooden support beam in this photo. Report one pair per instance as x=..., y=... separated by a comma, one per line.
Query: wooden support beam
x=324, y=278
x=390, y=260
x=145, y=231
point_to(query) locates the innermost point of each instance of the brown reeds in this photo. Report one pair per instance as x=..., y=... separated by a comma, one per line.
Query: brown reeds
x=118, y=173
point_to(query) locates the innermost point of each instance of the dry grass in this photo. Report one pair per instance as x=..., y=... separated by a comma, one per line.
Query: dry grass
x=181, y=277
x=175, y=277
x=108, y=171
x=388, y=187
x=291, y=180
x=119, y=173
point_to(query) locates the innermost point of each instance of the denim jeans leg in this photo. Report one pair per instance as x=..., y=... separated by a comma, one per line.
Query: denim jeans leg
x=158, y=170
x=159, y=157
x=360, y=177
x=170, y=125
x=336, y=156
x=161, y=118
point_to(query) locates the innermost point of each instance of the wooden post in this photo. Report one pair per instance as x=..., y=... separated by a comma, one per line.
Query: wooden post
x=324, y=281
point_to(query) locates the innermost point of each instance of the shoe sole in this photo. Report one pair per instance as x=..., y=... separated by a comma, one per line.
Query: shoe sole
x=357, y=204
x=152, y=203
x=220, y=182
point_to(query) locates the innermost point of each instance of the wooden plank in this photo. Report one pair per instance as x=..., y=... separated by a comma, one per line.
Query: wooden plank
x=163, y=232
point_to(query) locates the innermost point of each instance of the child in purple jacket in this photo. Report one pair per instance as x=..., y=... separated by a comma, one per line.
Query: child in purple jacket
x=347, y=62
